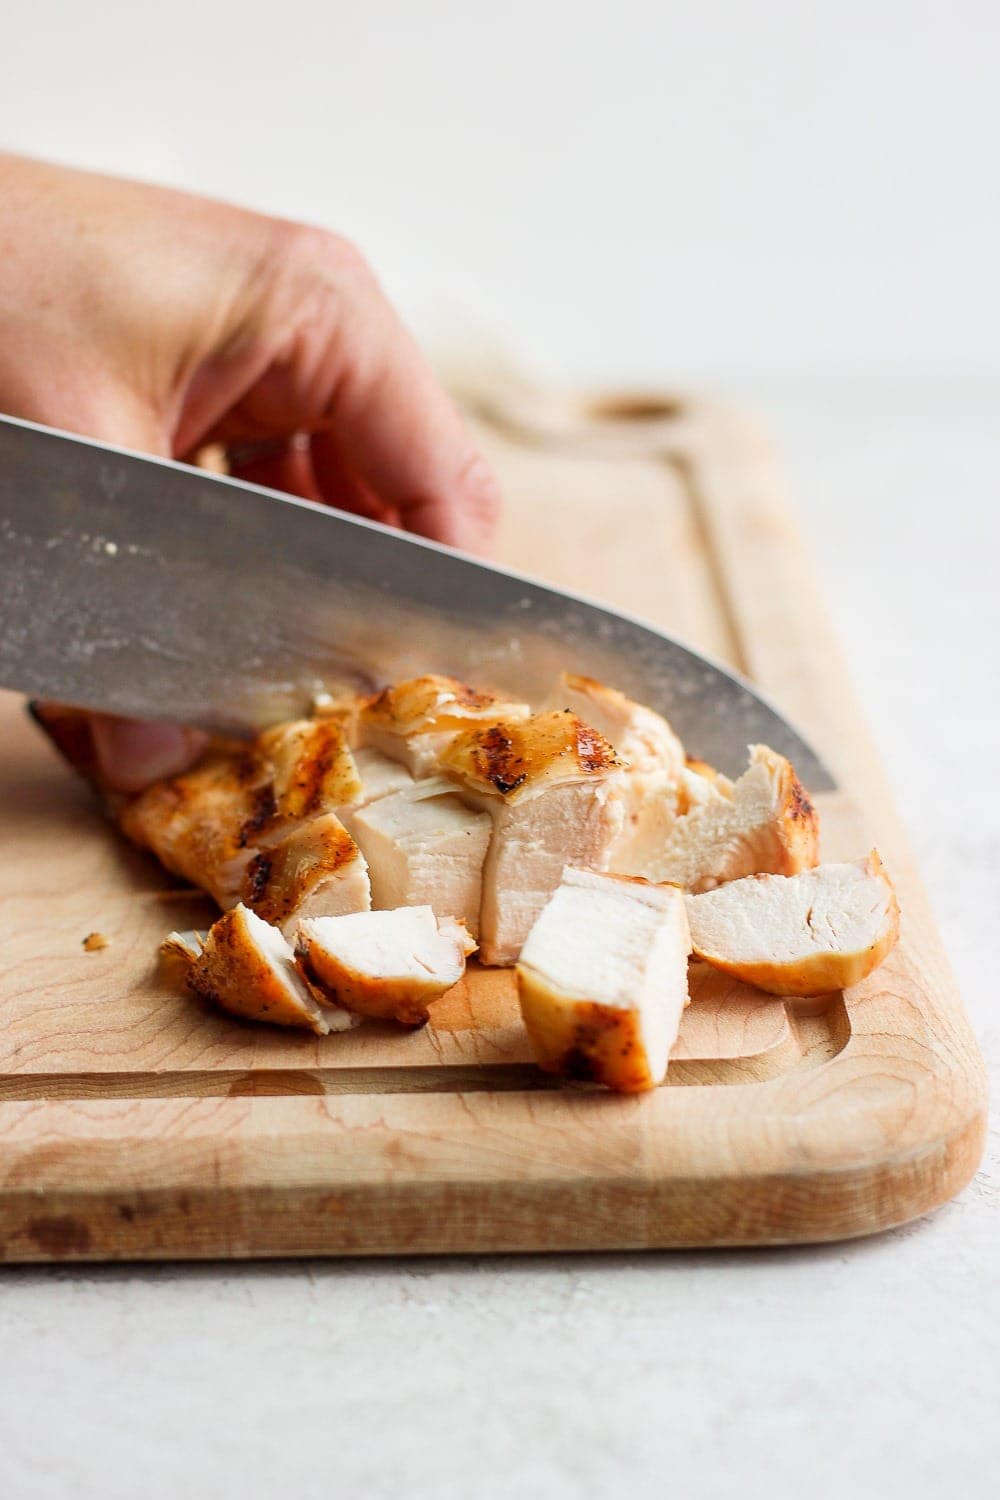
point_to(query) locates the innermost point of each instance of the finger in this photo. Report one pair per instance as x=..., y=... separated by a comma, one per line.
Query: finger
x=280, y=463
x=395, y=428
x=338, y=486
x=131, y=754
x=324, y=352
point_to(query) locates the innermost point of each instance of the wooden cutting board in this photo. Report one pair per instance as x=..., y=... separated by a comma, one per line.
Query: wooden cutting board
x=134, y=1123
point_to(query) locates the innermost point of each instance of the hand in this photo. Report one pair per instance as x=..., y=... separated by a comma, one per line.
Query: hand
x=164, y=322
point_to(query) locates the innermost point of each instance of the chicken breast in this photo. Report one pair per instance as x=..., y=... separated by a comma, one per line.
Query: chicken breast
x=343, y=706
x=702, y=782
x=602, y=980
x=767, y=825
x=204, y=825
x=424, y=847
x=389, y=964
x=652, y=763
x=380, y=777
x=311, y=767
x=316, y=871
x=545, y=783
x=641, y=737
x=247, y=968
x=415, y=720
x=253, y=824
x=824, y=929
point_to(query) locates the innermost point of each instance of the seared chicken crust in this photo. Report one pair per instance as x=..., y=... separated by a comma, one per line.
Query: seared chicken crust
x=808, y=934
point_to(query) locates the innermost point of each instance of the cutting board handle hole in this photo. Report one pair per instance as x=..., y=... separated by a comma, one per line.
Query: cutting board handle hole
x=634, y=408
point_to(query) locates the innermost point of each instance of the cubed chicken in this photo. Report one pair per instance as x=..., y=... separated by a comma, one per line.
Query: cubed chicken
x=414, y=721
x=545, y=783
x=424, y=848
x=312, y=769
x=387, y=964
x=317, y=871
x=602, y=980
x=380, y=777
x=652, y=762
x=806, y=934
x=764, y=824
x=247, y=967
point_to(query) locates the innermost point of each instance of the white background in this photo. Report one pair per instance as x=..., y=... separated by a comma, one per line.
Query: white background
x=795, y=204
x=619, y=189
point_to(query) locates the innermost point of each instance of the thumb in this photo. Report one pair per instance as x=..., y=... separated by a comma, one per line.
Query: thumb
x=130, y=754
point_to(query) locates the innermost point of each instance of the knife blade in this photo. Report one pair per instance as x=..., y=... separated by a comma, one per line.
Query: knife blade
x=141, y=586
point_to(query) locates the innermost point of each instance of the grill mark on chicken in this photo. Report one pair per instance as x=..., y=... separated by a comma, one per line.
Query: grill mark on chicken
x=496, y=761
x=258, y=878
x=265, y=808
x=801, y=810
x=506, y=755
x=593, y=752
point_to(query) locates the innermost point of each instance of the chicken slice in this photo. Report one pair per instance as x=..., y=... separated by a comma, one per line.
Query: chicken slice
x=602, y=980
x=380, y=777
x=247, y=968
x=424, y=848
x=766, y=826
x=317, y=871
x=824, y=929
x=703, y=783
x=653, y=762
x=343, y=706
x=204, y=824
x=640, y=736
x=389, y=964
x=415, y=720
x=207, y=824
x=545, y=783
x=312, y=768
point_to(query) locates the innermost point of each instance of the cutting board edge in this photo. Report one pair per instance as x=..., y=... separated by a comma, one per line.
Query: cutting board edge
x=815, y=1205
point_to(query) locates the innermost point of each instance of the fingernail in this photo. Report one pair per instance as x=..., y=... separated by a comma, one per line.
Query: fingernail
x=132, y=753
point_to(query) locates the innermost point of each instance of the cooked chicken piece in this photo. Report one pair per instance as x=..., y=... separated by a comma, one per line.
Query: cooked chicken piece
x=699, y=785
x=425, y=848
x=653, y=762
x=767, y=826
x=824, y=929
x=546, y=783
x=247, y=967
x=312, y=768
x=344, y=707
x=699, y=771
x=204, y=825
x=641, y=737
x=253, y=823
x=380, y=777
x=602, y=980
x=414, y=721
x=317, y=871
x=389, y=964
x=182, y=949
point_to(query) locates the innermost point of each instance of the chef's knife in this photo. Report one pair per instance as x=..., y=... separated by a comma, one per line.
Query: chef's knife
x=140, y=586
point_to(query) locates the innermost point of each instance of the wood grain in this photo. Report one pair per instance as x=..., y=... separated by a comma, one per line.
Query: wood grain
x=134, y=1123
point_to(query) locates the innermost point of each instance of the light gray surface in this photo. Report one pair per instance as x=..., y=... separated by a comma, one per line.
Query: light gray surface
x=764, y=186
x=861, y=1370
